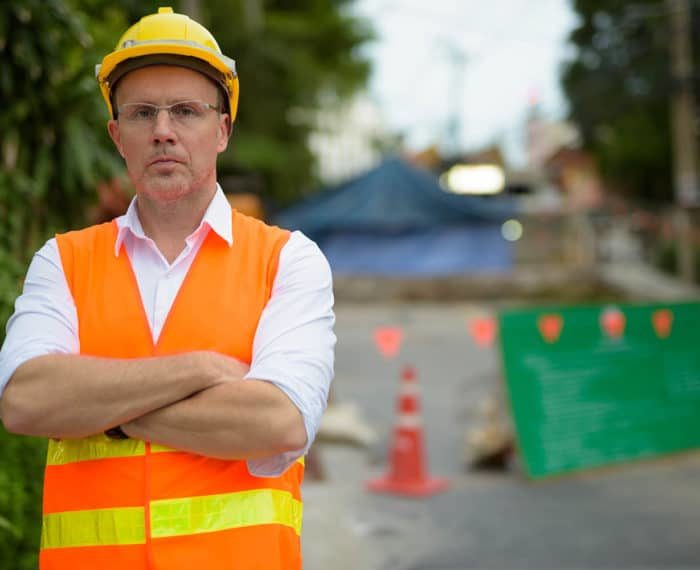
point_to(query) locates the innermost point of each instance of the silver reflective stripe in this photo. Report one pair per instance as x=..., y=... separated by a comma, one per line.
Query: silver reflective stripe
x=227, y=61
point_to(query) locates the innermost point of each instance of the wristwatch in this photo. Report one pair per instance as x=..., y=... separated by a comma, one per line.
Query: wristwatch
x=116, y=433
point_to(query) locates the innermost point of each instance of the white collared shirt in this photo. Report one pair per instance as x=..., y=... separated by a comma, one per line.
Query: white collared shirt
x=294, y=342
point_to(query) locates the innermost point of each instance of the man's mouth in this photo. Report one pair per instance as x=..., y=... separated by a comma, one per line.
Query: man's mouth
x=165, y=160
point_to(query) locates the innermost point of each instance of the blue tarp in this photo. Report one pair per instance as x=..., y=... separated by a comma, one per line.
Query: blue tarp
x=397, y=220
x=431, y=252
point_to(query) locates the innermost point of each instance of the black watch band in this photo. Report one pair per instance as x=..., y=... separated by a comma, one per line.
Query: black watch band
x=116, y=433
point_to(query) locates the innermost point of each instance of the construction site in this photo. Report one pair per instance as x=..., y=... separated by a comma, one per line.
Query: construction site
x=456, y=494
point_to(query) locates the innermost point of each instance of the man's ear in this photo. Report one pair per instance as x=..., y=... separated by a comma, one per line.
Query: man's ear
x=225, y=130
x=115, y=135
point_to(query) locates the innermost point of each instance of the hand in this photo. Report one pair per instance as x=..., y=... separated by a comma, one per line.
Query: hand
x=221, y=368
x=209, y=367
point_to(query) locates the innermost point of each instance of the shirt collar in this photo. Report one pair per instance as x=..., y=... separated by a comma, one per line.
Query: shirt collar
x=217, y=217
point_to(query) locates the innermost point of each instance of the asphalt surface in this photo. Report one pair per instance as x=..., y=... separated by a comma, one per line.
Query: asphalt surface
x=641, y=516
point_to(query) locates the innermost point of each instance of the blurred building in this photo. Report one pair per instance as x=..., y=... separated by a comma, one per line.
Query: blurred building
x=575, y=173
x=555, y=156
x=348, y=139
x=545, y=137
x=529, y=187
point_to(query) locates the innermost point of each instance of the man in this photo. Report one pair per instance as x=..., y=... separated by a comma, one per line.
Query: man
x=179, y=357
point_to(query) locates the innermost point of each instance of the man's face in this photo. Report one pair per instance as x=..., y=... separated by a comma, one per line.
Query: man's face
x=166, y=158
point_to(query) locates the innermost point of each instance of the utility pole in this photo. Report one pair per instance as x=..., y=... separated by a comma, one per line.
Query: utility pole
x=685, y=149
x=458, y=60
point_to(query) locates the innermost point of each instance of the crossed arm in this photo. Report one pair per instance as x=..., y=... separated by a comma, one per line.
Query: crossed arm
x=195, y=402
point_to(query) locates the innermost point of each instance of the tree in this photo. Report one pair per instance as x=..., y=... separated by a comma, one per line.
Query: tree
x=53, y=152
x=53, y=143
x=618, y=85
x=288, y=54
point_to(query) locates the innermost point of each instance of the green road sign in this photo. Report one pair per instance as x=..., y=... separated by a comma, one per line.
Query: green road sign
x=596, y=385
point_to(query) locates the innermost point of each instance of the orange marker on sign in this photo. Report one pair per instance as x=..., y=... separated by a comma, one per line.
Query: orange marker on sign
x=388, y=340
x=613, y=322
x=550, y=327
x=483, y=330
x=662, y=321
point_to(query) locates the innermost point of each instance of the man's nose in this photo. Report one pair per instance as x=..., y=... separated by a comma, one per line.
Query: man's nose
x=163, y=126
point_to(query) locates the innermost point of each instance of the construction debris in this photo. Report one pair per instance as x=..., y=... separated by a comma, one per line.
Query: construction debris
x=490, y=445
x=343, y=423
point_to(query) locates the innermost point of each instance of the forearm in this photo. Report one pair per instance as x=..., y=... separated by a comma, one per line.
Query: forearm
x=237, y=420
x=64, y=396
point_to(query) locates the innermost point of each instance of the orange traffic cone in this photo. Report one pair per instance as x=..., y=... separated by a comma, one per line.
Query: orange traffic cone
x=407, y=471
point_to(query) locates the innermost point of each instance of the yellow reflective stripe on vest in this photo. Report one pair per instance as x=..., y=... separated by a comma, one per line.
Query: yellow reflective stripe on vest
x=90, y=448
x=171, y=517
x=61, y=452
x=177, y=517
x=157, y=448
x=99, y=527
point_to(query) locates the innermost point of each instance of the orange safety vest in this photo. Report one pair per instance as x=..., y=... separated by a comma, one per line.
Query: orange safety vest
x=130, y=504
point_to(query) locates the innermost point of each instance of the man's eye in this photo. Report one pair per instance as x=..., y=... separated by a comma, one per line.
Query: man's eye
x=142, y=112
x=184, y=110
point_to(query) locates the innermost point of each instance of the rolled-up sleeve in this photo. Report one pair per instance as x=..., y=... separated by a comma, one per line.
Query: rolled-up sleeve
x=294, y=344
x=45, y=319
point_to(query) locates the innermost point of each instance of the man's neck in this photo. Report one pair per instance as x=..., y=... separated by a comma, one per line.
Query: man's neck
x=169, y=224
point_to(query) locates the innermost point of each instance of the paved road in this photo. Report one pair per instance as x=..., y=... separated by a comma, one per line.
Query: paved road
x=640, y=516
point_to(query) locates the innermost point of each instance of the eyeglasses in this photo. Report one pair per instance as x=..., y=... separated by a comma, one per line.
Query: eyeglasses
x=182, y=112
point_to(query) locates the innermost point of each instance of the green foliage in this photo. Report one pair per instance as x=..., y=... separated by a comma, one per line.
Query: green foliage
x=287, y=57
x=53, y=145
x=619, y=86
x=21, y=478
x=53, y=151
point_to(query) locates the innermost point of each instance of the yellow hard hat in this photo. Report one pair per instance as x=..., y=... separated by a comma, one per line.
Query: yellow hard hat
x=167, y=38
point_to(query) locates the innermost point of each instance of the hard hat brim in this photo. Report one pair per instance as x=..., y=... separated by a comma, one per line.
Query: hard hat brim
x=142, y=54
